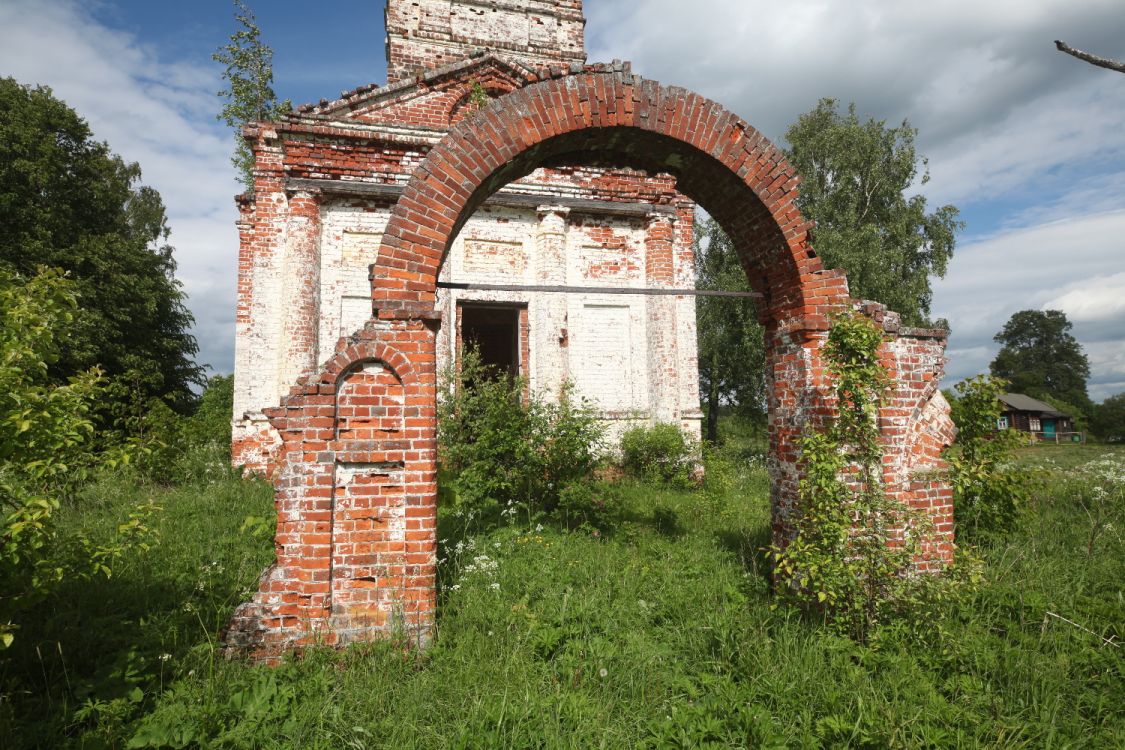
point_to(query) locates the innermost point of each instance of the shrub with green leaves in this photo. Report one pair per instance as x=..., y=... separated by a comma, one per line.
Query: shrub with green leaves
x=170, y=448
x=505, y=451
x=660, y=453
x=46, y=447
x=989, y=493
x=852, y=556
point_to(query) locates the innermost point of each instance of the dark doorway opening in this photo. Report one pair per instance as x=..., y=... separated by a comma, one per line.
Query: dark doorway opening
x=495, y=333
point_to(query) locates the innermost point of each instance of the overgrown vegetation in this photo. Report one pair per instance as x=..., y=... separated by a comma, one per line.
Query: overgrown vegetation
x=653, y=625
x=990, y=492
x=657, y=632
x=852, y=556
x=661, y=453
x=506, y=452
x=47, y=452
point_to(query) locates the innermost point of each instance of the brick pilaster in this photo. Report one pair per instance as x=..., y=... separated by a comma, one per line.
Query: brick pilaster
x=299, y=345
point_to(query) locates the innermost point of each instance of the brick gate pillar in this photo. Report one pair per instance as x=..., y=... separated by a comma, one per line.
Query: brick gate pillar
x=299, y=347
x=356, y=499
x=548, y=311
x=663, y=362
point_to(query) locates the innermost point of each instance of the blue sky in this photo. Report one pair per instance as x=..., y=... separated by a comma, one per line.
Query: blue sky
x=1027, y=142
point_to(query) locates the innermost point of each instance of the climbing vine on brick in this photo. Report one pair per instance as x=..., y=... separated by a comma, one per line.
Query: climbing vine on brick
x=851, y=559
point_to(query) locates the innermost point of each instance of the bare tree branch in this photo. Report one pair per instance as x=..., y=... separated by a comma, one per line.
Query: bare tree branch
x=1101, y=62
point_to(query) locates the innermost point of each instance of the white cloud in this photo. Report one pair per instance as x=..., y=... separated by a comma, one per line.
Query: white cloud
x=1093, y=300
x=1077, y=265
x=997, y=107
x=950, y=66
x=1057, y=129
x=1107, y=365
x=158, y=113
x=1007, y=121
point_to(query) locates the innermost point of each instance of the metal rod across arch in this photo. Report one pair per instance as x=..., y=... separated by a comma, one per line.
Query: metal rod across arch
x=651, y=291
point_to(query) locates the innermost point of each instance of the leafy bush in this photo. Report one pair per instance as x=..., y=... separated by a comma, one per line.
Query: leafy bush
x=1108, y=420
x=504, y=451
x=988, y=491
x=660, y=453
x=46, y=449
x=169, y=448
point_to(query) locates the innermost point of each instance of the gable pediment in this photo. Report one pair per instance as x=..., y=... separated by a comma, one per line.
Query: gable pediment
x=434, y=98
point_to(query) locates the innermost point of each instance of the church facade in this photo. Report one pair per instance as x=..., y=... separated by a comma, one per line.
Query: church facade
x=328, y=175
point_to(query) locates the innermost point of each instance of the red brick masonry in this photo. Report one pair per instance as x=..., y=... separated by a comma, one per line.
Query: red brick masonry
x=356, y=483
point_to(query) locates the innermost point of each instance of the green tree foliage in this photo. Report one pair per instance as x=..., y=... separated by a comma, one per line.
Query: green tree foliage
x=988, y=492
x=1040, y=358
x=211, y=421
x=249, y=94
x=45, y=445
x=732, y=358
x=1108, y=420
x=67, y=202
x=172, y=448
x=854, y=181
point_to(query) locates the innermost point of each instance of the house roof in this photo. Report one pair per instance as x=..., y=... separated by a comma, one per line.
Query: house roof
x=1020, y=402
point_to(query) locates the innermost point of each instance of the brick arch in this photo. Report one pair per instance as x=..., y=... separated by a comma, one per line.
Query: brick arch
x=357, y=528
x=611, y=116
x=356, y=354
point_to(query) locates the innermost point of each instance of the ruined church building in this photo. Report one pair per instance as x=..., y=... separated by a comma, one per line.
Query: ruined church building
x=306, y=249
x=496, y=156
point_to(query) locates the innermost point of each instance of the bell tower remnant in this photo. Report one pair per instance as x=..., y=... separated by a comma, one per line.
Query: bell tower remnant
x=428, y=34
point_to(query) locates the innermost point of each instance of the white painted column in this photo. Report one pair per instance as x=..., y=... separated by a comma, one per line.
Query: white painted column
x=687, y=347
x=549, y=327
x=300, y=299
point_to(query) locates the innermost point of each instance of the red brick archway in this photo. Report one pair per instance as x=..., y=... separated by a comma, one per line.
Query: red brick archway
x=608, y=115
x=357, y=508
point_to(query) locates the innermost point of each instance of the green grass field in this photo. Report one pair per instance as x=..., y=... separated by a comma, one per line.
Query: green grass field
x=658, y=631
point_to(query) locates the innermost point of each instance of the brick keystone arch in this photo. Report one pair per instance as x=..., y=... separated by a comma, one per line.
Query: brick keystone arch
x=607, y=114
x=357, y=490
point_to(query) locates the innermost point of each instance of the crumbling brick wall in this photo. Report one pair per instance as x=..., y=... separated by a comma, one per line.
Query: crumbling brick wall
x=335, y=583
x=427, y=34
